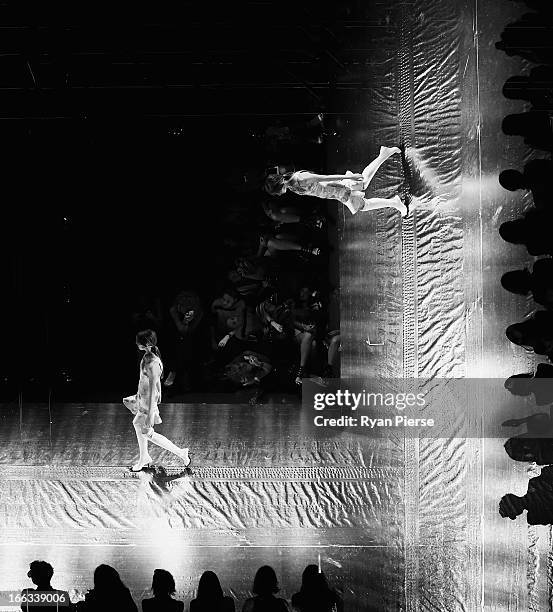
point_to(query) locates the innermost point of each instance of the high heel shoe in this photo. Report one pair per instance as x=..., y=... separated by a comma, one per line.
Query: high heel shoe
x=145, y=466
x=185, y=456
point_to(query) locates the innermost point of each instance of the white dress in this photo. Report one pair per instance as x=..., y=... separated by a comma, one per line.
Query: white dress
x=138, y=404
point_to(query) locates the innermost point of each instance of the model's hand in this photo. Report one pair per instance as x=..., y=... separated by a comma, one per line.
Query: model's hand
x=277, y=326
x=223, y=341
x=147, y=428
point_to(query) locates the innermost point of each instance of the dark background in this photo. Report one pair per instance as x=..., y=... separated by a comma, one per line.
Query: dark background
x=127, y=131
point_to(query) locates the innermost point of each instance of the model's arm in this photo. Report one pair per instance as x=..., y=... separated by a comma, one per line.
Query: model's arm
x=153, y=373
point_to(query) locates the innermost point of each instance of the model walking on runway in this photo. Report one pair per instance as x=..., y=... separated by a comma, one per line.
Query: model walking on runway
x=347, y=188
x=144, y=405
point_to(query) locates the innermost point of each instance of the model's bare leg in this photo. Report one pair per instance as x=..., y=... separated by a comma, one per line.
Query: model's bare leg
x=144, y=457
x=376, y=203
x=371, y=169
x=165, y=443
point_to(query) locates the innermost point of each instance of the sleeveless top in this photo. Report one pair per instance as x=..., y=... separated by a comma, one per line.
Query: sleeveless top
x=143, y=393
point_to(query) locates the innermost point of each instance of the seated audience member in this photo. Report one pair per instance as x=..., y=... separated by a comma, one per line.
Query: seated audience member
x=537, y=88
x=533, y=231
x=191, y=339
x=248, y=369
x=210, y=597
x=528, y=37
x=229, y=305
x=147, y=314
x=540, y=384
x=315, y=595
x=539, y=282
x=536, y=177
x=40, y=573
x=163, y=588
x=534, y=446
x=534, y=127
x=246, y=328
x=109, y=593
x=265, y=585
x=535, y=333
x=538, y=500
x=281, y=325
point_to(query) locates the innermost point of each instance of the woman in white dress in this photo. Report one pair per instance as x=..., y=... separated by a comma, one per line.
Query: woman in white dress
x=144, y=405
x=348, y=188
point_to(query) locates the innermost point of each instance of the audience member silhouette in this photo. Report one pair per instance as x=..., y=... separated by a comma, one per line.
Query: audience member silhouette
x=540, y=384
x=536, y=88
x=530, y=37
x=538, y=500
x=163, y=588
x=41, y=572
x=533, y=231
x=315, y=594
x=538, y=5
x=536, y=177
x=539, y=282
x=210, y=596
x=534, y=446
x=535, y=333
x=534, y=126
x=109, y=593
x=265, y=585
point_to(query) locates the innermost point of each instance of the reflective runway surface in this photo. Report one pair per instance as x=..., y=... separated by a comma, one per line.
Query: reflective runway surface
x=265, y=487
x=422, y=296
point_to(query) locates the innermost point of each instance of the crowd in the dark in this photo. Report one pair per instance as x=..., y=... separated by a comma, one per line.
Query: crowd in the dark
x=264, y=323
x=110, y=593
x=530, y=38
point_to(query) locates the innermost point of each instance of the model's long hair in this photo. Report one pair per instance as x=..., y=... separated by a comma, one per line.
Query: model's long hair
x=275, y=184
x=148, y=337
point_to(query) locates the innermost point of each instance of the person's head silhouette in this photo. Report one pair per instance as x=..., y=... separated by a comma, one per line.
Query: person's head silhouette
x=512, y=180
x=513, y=231
x=313, y=581
x=517, y=281
x=209, y=587
x=265, y=582
x=40, y=573
x=163, y=583
x=107, y=579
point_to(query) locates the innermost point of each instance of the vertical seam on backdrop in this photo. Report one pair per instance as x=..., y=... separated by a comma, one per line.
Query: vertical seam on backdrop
x=405, y=100
x=481, y=518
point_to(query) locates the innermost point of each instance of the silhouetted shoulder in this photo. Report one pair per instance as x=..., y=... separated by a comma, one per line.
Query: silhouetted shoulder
x=171, y=605
x=228, y=605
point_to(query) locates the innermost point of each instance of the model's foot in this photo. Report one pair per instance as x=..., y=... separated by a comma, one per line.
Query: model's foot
x=389, y=151
x=184, y=455
x=404, y=205
x=327, y=372
x=138, y=467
